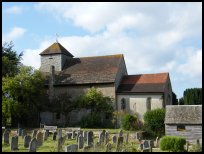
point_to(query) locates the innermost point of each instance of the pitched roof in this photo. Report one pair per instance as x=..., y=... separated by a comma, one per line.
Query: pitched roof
x=183, y=114
x=85, y=70
x=56, y=48
x=143, y=83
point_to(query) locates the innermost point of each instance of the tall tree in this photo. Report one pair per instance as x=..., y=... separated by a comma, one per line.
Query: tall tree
x=192, y=96
x=174, y=99
x=10, y=60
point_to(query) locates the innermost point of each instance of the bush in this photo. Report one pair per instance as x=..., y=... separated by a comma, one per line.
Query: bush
x=172, y=143
x=130, y=122
x=92, y=120
x=154, y=120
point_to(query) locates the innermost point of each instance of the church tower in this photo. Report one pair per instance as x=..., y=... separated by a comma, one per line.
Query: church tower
x=55, y=55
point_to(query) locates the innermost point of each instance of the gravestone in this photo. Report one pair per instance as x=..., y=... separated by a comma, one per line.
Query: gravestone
x=85, y=135
x=33, y=145
x=45, y=135
x=71, y=148
x=34, y=133
x=26, y=141
x=80, y=141
x=59, y=144
x=114, y=138
x=146, y=146
x=59, y=133
x=6, y=137
x=119, y=144
x=3, y=129
x=156, y=142
x=139, y=136
x=69, y=135
x=90, y=138
x=106, y=137
x=54, y=136
x=108, y=147
x=151, y=143
x=39, y=138
x=19, y=131
x=73, y=134
x=127, y=137
x=24, y=133
x=102, y=136
x=14, y=143
x=120, y=133
x=86, y=148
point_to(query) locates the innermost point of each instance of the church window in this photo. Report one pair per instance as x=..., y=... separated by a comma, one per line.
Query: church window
x=123, y=105
x=148, y=103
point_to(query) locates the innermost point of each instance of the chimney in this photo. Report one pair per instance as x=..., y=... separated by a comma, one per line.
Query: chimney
x=51, y=83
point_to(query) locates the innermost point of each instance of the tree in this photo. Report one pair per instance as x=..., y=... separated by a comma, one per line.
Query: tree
x=192, y=96
x=22, y=96
x=154, y=120
x=174, y=99
x=181, y=101
x=10, y=60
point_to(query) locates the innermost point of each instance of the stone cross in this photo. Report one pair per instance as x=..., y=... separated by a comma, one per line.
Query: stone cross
x=39, y=138
x=114, y=138
x=33, y=145
x=80, y=141
x=14, y=143
x=71, y=148
x=6, y=137
x=54, y=136
x=26, y=141
x=90, y=138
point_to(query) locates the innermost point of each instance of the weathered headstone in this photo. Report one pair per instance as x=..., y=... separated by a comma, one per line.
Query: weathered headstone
x=127, y=137
x=120, y=133
x=69, y=135
x=139, y=136
x=39, y=138
x=59, y=144
x=19, y=131
x=14, y=143
x=119, y=144
x=6, y=137
x=156, y=142
x=73, y=134
x=34, y=133
x=114, y=138
x=102, y=136
x=45, y=135
x=106, y=137
x=26, y=141
x=85, y=135
x=24, y=133
x=33, y=145
x=108, y=147
x=146, y=146
x=71, y=148
x=59, y=133
x=80, y=141
x=54, y=136
x=90, y=138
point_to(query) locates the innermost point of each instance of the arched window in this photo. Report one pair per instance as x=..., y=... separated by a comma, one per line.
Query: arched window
x=123, y=105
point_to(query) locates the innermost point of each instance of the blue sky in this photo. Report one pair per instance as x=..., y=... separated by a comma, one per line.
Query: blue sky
x=154, y=37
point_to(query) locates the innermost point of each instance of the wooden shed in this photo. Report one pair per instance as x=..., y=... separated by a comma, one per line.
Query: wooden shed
x=185, y=121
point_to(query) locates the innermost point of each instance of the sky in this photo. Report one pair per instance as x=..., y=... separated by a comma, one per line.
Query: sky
x=154, y=37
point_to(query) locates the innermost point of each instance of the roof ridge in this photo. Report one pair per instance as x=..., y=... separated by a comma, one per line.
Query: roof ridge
x=147, y=74
x=101, y=56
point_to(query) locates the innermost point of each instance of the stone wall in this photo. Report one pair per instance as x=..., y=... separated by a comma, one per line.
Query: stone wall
x=191, y=132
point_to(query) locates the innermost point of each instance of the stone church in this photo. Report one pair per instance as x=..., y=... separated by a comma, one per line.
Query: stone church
x=75, y=75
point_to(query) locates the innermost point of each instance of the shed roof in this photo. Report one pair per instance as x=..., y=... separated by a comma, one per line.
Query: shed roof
x=183, y=114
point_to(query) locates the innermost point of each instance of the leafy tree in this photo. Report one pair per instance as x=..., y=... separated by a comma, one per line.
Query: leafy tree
x=192, y=96
x=181, y=101
x=154, y=120
x=10, y=60
x=174, y=99
x=22, y=96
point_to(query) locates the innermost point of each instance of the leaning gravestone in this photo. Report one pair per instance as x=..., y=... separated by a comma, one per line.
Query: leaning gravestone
x=39, y=138
x=59, y=144
x=14, y=143
x=106, y=137
x=120, y=133
x=108, y=147
x=19, y=131
x=102, y=136
x=6, y=137
x=26, y=141
x=119, y=144
x=34, y=133
x=33, y=145
x=114, y=138
x=71, y=148
x=90, y=138
x=54, y=136
x=24, y=133
x=59, y=133
x=45, y=135
x=80, y=141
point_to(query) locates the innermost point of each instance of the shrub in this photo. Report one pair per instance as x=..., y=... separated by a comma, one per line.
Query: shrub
x=92, y=120
x=130, y=122
x=154, y=120
x=172, y=143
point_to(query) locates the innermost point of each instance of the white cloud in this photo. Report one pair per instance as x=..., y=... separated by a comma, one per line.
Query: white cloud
x=15, y=33
x=14, y=10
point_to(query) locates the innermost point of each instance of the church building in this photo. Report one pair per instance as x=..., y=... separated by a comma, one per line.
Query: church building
x=134, y=94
